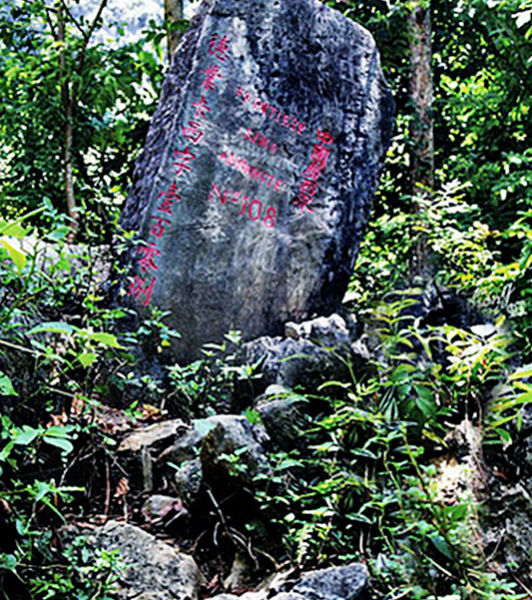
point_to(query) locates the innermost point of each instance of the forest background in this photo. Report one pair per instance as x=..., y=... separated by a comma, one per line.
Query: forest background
x=454, y=209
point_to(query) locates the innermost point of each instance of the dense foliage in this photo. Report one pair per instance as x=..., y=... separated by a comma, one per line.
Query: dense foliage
x=105, y=93
x=366, y=483
x=482, y=72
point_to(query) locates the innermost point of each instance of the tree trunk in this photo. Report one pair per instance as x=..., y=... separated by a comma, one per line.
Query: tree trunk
x=422, y=126
x=68, y=108
x=69, y=175
x=421, y=95
x=173, y=11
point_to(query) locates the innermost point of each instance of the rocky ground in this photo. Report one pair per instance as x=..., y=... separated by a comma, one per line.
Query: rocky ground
x=181, y=494
x=186, y=489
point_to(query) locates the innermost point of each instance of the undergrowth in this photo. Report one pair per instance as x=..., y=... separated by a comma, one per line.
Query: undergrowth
x=384, y=479
x=367, y=483
x=373, y=483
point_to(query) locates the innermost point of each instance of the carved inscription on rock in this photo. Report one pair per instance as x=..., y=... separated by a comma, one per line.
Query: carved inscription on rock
x=256, y=180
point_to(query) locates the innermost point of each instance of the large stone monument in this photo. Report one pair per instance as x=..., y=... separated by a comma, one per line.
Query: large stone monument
x=256, y=181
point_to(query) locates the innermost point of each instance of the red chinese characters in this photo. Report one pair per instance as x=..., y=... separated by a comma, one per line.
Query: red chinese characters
x=212, y=74
x=218, y=50
x=219, y=46
x=143, y=283
x=159, y=222
x=141, y=289
x=193, y=130
x=318, y=162
x=182, y=160
x=142, y=286
x=169, y=196
x=201, y=107
x=158, y=225
x=147, y=254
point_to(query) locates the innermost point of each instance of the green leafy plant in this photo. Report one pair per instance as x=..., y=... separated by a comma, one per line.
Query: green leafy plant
x=213, y=383
x=368, y=485
x=74, y=112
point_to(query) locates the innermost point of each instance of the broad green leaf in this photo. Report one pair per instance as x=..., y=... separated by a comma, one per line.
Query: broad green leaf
x=41, y=488
x=253, y=416
x=87, y=358
x=503, y=421
x=501, y=406
x=359, y=518
x=15, y=254
x=6, y=387
x=105, y=339
x=54, y=327
x=364, y=452
x=521, y=385
x=60, y=442
x=12, y=229
x=456, y=512
x=59, y=233
x=505, y=435
x=522, y=373
x=9, y=561
x=524, y=398
x=288, y=463
x=60, y=430
x=6, y=451
x=441, y=545
x=26, y=436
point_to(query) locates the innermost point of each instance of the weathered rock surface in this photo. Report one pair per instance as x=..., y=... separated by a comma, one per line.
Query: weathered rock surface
x=309, y=354
x=246, y=596
x=335, y=583
x=160, y=508
x=154, y=569
x=233, y=435
x=197, y=454
x=509, y=534
x=283, y=416
x=153, y=436
x=526, y=414
x=188, y=478
x=255, y=184
x=141, y=448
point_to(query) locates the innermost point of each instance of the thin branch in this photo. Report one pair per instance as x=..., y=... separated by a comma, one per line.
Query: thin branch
x=99, y=12
x=73, y=19
x=53, y=30
x=21, y=348
x=82, y=52
x=523, y=586
x=107, y=488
